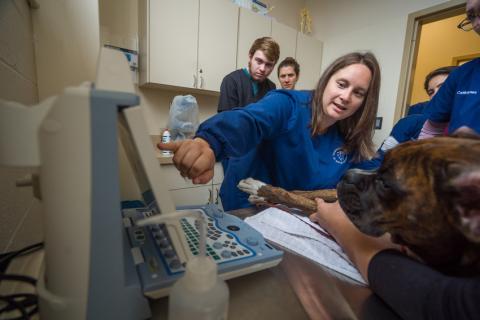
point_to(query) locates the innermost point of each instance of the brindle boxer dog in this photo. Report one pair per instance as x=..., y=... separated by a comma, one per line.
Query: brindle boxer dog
x=426, y=194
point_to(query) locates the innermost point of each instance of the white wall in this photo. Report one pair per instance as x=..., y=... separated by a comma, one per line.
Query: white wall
x=287, y=11
x=67, y=41
x=41, y=52
x=375, y=25
x=20, y=213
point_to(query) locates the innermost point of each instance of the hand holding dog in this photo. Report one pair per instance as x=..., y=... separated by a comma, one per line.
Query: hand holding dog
x=193, y=158
x=359, y=247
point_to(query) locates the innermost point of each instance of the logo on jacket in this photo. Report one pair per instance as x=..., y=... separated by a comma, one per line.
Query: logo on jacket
x=339, y=156
x=466, y=92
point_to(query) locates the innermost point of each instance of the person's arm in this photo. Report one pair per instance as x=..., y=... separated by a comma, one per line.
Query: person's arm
x=359, y=247
x=412, y=289
x=416, y=291
x=231, y=134
x=439, y=109
x=432, y=129
x=235, y=133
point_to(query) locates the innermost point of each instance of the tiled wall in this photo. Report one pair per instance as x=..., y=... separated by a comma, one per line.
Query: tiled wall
x=20, y=213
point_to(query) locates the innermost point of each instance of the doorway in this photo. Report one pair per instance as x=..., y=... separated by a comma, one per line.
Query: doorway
x=430, y=42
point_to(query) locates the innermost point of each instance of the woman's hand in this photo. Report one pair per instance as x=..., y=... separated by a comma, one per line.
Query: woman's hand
x=193, y=158
x=330, y=216
x=358, y=246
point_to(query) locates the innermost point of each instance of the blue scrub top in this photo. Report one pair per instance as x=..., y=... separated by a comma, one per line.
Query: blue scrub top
x=418, y=108
x=458, y=100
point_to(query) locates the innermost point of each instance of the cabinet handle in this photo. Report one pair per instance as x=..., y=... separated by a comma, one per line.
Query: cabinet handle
x=210, y=197
x=194, y=81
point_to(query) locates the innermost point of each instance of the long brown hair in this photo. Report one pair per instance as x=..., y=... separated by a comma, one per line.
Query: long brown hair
x=358, y=129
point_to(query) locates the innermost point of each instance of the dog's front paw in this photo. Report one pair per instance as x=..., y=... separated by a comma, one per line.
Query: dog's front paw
x=253, y=199
x=250, y=185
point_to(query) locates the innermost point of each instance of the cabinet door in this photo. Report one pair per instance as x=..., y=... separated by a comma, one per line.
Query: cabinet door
x=173, y=36
x=217, y=42
x=251, y=26
x=309, y=56
x=286, y=38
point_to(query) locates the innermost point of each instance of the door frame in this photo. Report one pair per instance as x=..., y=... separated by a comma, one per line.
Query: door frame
x=410, y=47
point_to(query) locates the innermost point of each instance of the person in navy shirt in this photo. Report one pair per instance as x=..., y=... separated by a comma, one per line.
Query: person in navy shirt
x=433, y=82
x=458, y=100
x=310, y=138
x=247, y=85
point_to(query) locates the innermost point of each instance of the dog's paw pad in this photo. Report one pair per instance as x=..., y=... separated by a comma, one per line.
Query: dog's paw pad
x=254, y=199
x=250, y=185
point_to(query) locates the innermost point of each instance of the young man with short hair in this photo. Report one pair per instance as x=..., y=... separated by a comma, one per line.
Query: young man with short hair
x=247, y=85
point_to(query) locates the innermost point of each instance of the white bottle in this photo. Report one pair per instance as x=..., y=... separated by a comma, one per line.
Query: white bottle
x=166, y=137
x=200, y=294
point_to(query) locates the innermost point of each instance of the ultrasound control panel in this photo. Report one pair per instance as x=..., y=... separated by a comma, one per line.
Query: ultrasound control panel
x=236, y=247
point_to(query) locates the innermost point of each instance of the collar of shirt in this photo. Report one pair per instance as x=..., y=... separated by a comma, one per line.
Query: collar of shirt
x=253, y=82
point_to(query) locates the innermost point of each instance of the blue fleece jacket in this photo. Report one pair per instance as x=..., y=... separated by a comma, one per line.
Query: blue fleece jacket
x=290, y=156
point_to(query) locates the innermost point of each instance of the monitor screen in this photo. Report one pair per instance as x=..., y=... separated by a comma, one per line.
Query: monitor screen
x=141, y=156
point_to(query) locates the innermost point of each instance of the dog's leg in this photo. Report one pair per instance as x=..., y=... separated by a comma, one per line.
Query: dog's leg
x=281, y=196
x=261, y=192
x=329, y=195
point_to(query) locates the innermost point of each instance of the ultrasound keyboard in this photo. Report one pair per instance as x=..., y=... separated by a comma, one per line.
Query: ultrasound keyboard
x=236, y=247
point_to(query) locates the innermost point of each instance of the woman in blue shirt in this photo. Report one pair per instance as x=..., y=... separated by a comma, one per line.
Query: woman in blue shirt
x=310, y=138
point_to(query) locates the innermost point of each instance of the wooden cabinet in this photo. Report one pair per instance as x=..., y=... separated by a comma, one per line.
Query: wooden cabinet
x=187, y=43
x=168, y=42
x=309, y=56
x=193, y=44
x=217, y=42
x=286, y=38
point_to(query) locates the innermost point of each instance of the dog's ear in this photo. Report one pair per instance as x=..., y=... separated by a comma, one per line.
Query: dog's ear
x=468, y=186
x=467, y=204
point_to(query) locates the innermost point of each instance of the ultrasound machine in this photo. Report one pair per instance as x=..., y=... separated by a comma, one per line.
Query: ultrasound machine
x=99, y=262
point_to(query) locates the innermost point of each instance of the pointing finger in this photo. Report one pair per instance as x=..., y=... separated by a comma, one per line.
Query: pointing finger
x=171, y=146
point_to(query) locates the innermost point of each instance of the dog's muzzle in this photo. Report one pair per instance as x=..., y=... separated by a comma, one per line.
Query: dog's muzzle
x=357, y=199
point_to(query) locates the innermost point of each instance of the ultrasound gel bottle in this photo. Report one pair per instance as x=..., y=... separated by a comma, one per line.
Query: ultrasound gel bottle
x=200, y=294
x=166, y=137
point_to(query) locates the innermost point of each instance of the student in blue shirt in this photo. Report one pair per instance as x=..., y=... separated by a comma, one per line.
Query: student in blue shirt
x=457, y=103
x=433, y=82
x=310, y=138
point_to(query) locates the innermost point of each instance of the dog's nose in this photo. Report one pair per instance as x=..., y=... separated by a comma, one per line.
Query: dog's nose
x=357, y=176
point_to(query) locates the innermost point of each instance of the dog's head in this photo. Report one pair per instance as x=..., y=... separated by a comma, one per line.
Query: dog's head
x=426, y=195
